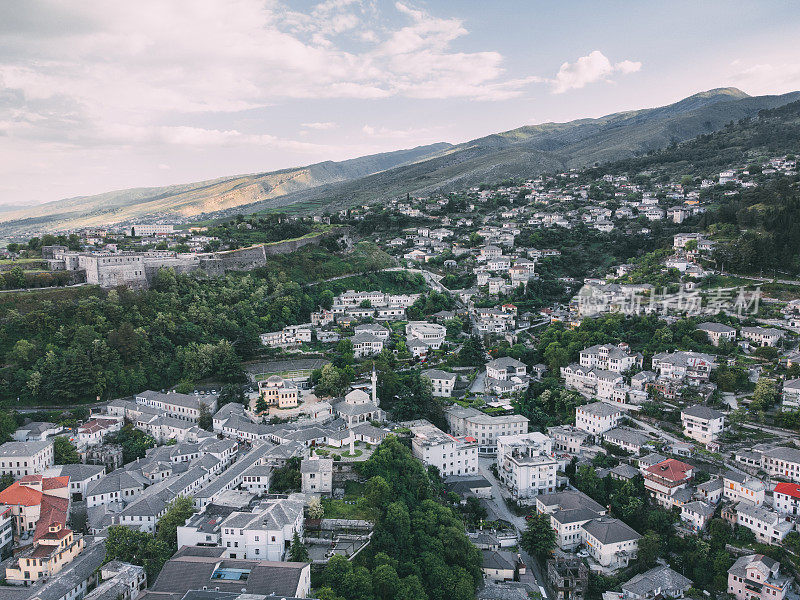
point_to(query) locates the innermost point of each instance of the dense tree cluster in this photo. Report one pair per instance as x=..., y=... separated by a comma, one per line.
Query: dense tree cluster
x=419, y=550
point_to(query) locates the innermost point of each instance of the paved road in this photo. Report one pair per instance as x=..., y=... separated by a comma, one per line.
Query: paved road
x=533, y=575
x=477, y=385
x=655, y=430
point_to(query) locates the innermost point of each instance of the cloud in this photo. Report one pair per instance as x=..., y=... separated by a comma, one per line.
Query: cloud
x=388, y=133
x=766, y=78
x=145, y=63
x=588, y=69
x=321, y=126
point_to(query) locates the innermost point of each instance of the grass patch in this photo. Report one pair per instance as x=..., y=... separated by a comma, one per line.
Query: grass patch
x=347, y=509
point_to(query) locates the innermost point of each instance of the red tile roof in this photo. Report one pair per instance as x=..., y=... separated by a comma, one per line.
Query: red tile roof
x=53, y=510
x=789, y=489
x=671, y=469
x=20, y=495
x=54, y=483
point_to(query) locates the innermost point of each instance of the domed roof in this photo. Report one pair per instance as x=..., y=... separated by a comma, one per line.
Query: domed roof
x=357, y=397
x=274, y=381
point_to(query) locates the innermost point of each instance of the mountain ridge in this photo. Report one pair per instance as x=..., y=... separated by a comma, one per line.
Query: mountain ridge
x=523, y=151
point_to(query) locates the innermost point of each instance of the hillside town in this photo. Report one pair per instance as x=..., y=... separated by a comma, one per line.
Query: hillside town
x=596, y=432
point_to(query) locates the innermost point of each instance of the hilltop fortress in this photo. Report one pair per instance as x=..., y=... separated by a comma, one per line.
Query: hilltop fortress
x=138, y=269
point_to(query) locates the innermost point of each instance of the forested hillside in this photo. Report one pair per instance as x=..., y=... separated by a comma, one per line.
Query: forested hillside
x=66, y=346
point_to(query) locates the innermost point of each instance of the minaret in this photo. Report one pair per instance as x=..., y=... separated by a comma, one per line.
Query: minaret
x=374, y=386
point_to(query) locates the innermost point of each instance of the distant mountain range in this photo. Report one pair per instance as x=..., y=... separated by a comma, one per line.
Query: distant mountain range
x=438, y=167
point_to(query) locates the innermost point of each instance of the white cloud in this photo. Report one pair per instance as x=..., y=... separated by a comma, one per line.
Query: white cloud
x=142, y=64
x=766, y=78
x=388, y=133
x=593, y=67
x=321, y=126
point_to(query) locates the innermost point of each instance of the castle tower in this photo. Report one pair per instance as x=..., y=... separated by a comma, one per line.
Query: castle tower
x=375, y=400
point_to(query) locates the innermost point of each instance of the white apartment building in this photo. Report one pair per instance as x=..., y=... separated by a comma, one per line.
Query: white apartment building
x=597, y=418
x=608, y=357
x=366, y=344
x=738, y=486
x=592, y=382
x=442, y=382
x=702, y=423
x=149, y=229
x=26, y=458
x=264, y=534
x=526, y=464
x=717, y=332
x=484, y=428
x=762, y=336
x=757, y=577
x=288, y=337
x=768, y=525
x=782, y=462
x=692, y=367
x=429, y=333
x=568, y=439
x=451, y=455
x=179, y=406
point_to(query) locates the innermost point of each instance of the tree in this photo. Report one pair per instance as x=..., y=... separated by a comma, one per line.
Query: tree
x=385, y=582
x=287, y=478
x=649, y=549
x=206, y=419
x=315, y=508
x=377, y=492
x=231, y=393
x=539, y=539
x=137, y=547
x=178, y=512
x=6, y=480
x=764, y=396
x=261, y=404
x=298, y=551
x=64, y=452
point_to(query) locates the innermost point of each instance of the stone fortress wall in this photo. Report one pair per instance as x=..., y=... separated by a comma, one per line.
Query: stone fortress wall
x=138, y=269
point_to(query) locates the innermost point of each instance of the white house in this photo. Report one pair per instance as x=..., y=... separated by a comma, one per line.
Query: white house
x=791, y=394
x=786, y=498
x=265, y=533
x=762, y=336
x=451, y=455
x=608, y=357
x=738, y=486
x=366, y=344
x=702, y=423
x=610, y=542
x=26, y=458
x=757, y=577
x=442, y=382
x=769, y=526
x=717, y=332
x=597, y=418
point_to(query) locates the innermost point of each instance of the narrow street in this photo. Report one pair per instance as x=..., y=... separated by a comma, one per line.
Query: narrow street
x=533, y=576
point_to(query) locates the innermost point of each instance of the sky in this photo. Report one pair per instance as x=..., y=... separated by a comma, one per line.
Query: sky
x=99, y=95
